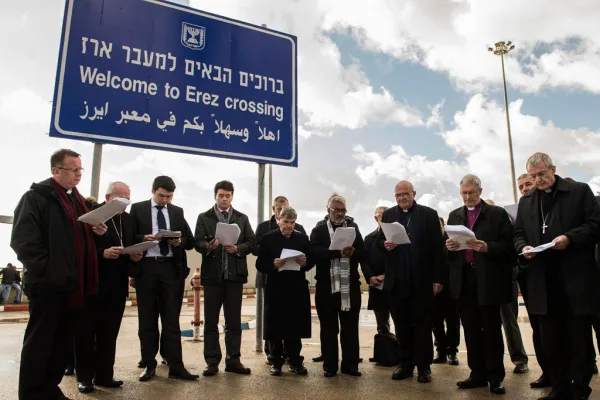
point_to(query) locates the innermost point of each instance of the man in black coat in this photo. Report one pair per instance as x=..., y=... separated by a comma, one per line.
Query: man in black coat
x=287, y=298
x=262, y=229
x=414, y=274
x=562, y=282
x=60, y=272
x=374, y=274
x=158, y=277
x=338, y=295
x=481, y=281
x=100, y=321
x=223, y=274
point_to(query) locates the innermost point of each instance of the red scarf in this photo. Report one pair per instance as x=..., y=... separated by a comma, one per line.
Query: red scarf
x=76, y=298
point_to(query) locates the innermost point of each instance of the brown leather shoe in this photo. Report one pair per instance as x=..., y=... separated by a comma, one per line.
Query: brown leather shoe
x=237, y=368
x=211, y=370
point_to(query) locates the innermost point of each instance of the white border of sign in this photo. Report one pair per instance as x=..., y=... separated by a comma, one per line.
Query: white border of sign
x=166, y=146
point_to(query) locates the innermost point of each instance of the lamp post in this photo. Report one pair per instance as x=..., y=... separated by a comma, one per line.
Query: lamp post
x=500, y=49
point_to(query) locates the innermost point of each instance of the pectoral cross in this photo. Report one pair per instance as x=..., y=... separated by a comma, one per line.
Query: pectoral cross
x=544, y=226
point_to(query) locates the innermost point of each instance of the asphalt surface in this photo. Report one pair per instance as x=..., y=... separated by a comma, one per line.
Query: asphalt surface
x=375, y=383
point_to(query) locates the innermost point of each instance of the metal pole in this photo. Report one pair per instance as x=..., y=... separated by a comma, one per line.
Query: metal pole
x=260, y=291
x=270, y=188
x=510, y=146
x=96, y=167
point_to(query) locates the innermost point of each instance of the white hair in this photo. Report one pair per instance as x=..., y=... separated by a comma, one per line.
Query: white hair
x=335, y=198
x=112, y=185
x=538, y=158
x=471, y=179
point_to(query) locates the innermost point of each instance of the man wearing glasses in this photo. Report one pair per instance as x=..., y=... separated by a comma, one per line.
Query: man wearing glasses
x=562, y=282
x=60, y=272
x=413, y=276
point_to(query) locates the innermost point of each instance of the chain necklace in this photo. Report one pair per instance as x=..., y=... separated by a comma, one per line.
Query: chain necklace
x=120, y=230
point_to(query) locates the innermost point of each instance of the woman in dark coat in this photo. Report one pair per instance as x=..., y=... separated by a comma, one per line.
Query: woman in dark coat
x=287, y=298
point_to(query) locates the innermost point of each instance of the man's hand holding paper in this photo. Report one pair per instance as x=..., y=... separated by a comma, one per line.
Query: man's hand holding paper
x=459, y=236
x=395, y=233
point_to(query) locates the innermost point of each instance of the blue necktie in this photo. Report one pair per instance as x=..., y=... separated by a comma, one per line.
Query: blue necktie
x=162, y=226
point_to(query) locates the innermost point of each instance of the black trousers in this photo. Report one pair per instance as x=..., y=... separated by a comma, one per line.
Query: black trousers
x=97, y=327
x=229, y=296
x=293, y=347
x=535, y=326
x=483, y=332
x=382, y=317
x=568, y=344
x=334, y=321
x=446, y=324
x=181, y=293
x=47, y=339
x=413, y=322
x=158, y=290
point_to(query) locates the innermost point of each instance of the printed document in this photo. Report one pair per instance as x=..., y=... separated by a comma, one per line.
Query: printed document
x=106, y=212
x=395, y=232
x=227, y=233
x=461, y=234
x=342, y=237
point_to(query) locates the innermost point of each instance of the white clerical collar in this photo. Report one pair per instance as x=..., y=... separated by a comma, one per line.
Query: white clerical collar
x=470, y=208
x=548, y=190
x=69, y=191
x=403, y=210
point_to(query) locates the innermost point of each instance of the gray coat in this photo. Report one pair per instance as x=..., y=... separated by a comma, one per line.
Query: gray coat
x=212, y=268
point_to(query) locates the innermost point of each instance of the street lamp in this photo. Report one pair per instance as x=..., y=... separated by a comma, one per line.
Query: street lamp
x=500, y=49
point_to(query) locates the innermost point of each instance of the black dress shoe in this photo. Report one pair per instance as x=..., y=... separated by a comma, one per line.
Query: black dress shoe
x=440, y=358
x=329, y=374
x=141, y=364
x=521, y=369
x=70, y=370
x=453, y=359
x=351, y=372
x=403, y=373
x=424, y=375
x=237, y=368
x=541, y=382
x=85, y=387
x=269, y=362
x=111, y=383
x=275, y=371
x=210, y=370
x=319, y=358
x=148, y=374
x=470, y=383
x=360, y=360
x=180, y=372
x=298, y=370
x=556, y=395
x=372, y=359
x=497, y=387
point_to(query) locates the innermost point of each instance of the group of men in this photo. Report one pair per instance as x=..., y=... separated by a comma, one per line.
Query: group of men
x=76, y=275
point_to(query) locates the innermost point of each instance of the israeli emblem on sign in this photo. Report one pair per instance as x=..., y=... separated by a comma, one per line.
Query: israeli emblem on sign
x=193, y=36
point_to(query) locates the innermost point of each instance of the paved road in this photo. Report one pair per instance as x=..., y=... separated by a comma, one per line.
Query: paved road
x=374, y=384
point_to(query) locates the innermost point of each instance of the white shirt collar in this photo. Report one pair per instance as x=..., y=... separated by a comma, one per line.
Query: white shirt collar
x=154, y=204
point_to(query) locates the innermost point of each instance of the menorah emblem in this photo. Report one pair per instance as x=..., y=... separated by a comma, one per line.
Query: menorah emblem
x=193, y=36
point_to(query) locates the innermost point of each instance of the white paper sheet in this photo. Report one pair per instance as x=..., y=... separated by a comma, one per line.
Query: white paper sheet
x=140, y=247
x=290, y=264
x=106, y=212
x=395, y=232
x=342, y=237
x=461, y=234
x=227, y=233
x=168, y=234
x=539, y=249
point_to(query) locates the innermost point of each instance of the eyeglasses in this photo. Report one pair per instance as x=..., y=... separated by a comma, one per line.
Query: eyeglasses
x=402, y=195
x=465, y=194
x=73, y=170
x=338, y=210
x=539, y=174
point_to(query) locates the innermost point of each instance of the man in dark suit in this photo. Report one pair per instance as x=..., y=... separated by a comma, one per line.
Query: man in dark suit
x=223, y=274
x=158, y=277
x=413, y=276
x=481, y=281
x=100, y=321
x=562, y=282
x=262, y=229
x=374, y=273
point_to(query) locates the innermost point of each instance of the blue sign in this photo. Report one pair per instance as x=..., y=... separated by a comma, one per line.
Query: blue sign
x=153, y=74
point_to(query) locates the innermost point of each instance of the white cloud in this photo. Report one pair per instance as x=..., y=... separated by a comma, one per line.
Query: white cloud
x=23, y=106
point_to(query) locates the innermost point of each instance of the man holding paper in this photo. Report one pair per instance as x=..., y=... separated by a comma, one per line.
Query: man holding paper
x=414, y=274
x=284, y=259
x=337, y=247
x=158, y=278
x=99, y=322
x=562, y=282
x=224, y=272
x=60, y=271
x=481, y=280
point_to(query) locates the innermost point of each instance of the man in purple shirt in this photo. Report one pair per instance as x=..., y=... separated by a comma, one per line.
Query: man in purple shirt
x=481, y=280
